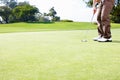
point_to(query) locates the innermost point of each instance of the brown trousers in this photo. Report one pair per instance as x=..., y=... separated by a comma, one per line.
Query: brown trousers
x=103, y=18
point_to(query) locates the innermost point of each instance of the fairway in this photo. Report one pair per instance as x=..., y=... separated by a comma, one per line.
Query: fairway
x=58, y=55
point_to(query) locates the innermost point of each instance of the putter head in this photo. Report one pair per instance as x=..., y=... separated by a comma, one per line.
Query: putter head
x=84, y=40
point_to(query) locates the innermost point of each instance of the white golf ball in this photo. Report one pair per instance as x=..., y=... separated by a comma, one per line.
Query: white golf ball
x=84, y=40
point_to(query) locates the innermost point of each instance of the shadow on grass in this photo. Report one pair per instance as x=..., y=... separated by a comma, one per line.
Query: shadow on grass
x=115, y=41
x=41, y=22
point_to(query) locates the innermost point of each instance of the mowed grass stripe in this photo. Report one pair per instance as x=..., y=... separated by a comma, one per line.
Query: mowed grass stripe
x=37, y=27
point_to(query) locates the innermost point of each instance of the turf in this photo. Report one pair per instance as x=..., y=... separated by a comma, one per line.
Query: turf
x=36, y=27
x=58, y=55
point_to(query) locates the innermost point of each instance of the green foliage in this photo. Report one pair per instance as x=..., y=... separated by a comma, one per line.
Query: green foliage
x=23, y=3
x=44, y=19
x=116, y=14
x=89, y=3
x=25, y=13
x=117, y=2
x=4, y=1
x=52, y=12
x=12, y=4
x=56, y=18
x=66, y=20
x=5, y=12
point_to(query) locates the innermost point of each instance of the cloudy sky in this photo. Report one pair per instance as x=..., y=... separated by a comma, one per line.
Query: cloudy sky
x=67, y=9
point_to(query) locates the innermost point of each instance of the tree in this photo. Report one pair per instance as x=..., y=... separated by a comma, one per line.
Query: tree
x=89, y=2
x=52, y=13
x=9, y=3
x=117, y=2
x=12, y=4
x=25, y=13
x=116, y=14
x=5, y=12
x=56, y=18
x=23, y=3
x=4, y=1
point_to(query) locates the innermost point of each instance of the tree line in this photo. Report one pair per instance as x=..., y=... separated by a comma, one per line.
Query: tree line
x=13, y=11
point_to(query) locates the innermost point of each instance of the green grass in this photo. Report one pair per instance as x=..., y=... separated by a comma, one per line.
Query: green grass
x=58, y=55
x=35, y=27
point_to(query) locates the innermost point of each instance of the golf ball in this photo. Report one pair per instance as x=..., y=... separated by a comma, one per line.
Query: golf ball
x=84, y=40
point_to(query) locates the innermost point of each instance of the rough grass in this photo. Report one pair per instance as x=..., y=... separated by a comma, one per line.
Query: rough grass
x=58, y=55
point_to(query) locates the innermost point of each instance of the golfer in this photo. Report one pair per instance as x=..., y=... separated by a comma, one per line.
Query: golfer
x=103, y=20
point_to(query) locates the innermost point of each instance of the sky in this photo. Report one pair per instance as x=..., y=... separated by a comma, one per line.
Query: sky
x=75, y=10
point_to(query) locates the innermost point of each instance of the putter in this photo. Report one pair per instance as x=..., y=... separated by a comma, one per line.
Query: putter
x=85, y=37
x=85, y=40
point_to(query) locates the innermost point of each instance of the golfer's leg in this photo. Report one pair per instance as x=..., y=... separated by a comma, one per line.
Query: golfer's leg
x=107, y=7
x=100, y=30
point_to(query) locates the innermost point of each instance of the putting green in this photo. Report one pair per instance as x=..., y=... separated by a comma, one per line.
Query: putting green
x=59, y=55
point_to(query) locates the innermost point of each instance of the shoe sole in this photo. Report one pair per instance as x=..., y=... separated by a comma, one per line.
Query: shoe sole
x=95, y=40
x=106, y=41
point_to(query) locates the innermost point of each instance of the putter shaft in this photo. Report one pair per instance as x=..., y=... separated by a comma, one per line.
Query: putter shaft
x=92, y=18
